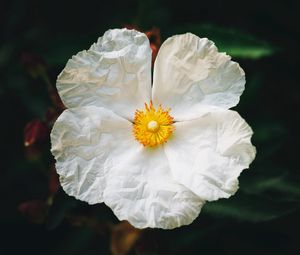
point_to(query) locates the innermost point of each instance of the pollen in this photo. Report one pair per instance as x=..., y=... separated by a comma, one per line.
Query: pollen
x=153, y=127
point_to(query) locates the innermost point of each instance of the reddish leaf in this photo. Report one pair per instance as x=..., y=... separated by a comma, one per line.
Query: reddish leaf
x=53, y=181
x=154, y=52
x=34, y=210
x=36, y=131
x=155, y=41
x=154, y=36
x=132, y=26
x=56, y=100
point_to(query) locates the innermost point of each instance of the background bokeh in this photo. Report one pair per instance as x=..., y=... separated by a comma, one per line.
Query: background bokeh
x=36, y=40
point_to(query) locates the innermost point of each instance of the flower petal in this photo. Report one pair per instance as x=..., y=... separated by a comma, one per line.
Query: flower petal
x=99, y=160
x=114, y=73
x=85, y=142
x=208, y=154
x=143, y=192
x=190, y=72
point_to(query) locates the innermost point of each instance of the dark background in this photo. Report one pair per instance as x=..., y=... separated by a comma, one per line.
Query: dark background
x=263, y=36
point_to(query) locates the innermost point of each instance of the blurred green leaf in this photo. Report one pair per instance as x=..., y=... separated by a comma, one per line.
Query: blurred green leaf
x=248, y=207
x=234, y=42
x=288, y=187
x=61, y=204
x=269, y=136
x=62, y=49
x=268, y=130
x=273, y=182
x=251, y=93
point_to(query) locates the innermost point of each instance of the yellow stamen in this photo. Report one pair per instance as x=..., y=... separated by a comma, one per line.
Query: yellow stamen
x=152, y=127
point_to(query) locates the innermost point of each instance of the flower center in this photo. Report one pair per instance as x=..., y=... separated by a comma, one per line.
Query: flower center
x=152, y=127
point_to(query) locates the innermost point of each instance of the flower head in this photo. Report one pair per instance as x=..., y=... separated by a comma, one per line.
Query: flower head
x=153, y=154
x=152, y=127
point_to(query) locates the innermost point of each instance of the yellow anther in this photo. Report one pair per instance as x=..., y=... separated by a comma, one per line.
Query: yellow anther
x=152, y=127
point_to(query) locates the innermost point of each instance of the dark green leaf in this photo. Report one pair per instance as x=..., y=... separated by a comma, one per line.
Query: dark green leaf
x=61, y=204
x=248, y=208
x=234, y=42
x=273, y=182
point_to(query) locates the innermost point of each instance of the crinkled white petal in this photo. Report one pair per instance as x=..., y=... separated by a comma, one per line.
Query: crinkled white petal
x=208, y=154
x=114, y=73
x=86, y=143
x=190, y=73
x=99, y=160
x=141, y=190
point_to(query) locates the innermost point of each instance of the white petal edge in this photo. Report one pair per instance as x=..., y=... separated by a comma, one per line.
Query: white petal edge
x=190, y=73
x=99, y=160
x=208, y=154
x=85, y=142
x=114, y=73
x=142, y=191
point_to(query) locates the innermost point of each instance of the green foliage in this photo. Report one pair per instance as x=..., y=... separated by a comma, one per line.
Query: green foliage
x=234, y=42
x=262, y=218
x=61, y=204
x=245, y=207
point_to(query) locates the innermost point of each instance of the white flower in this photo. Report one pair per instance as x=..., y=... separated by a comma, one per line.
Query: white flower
x=153, y=165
